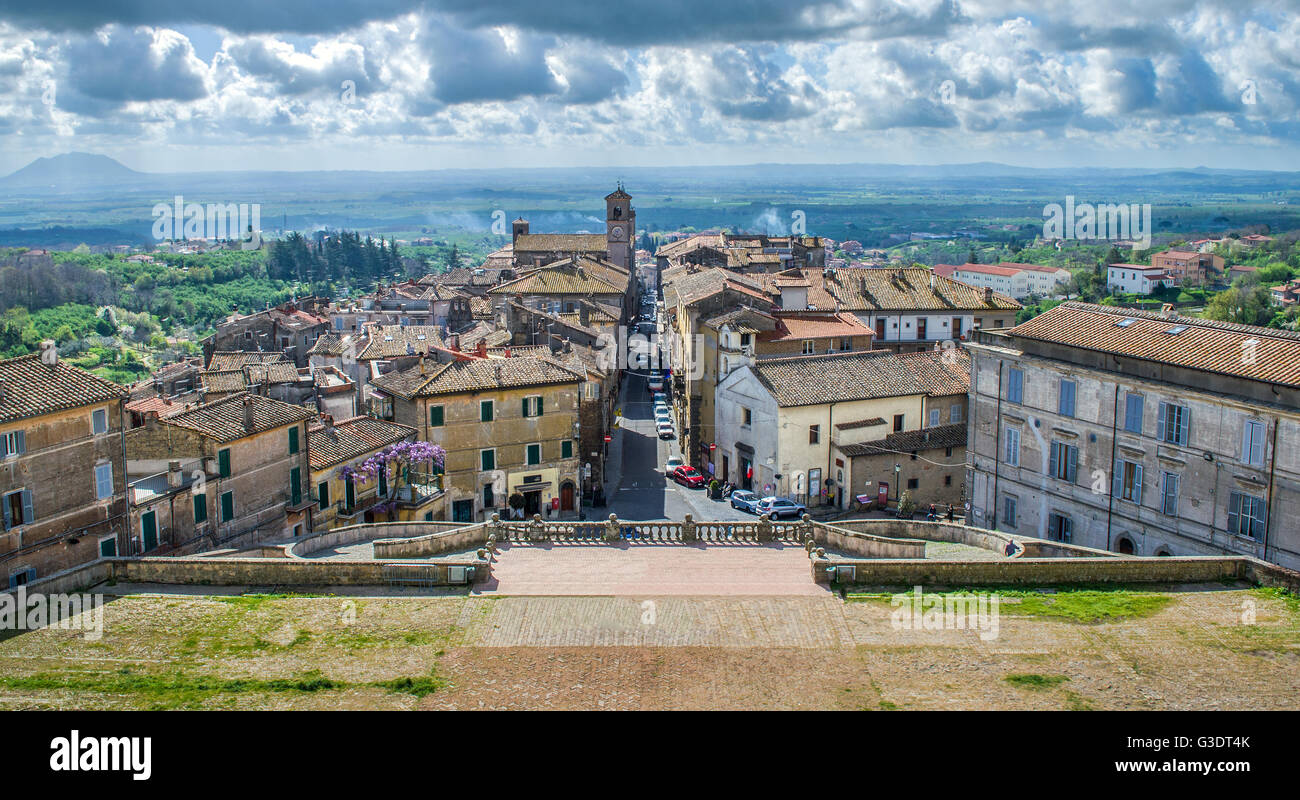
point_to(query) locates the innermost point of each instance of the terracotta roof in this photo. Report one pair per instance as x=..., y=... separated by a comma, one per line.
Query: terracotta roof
x=860, y=423
x=910, y=441
x=561, y=243
x=32, y=388
x=235, y=359
x=477, y=375
x=394, y=341
x=158, y=405
x=815, y=326
x=570, y=276
x=351, y=438
x=868, y=289
x=815, y=380
x=743, y=320
x=691, y=287
x=940, y=372
x=1201, y=344
x=329, y=344
x=223, y=420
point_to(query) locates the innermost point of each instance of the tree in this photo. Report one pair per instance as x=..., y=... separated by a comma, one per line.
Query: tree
x=1248, y=305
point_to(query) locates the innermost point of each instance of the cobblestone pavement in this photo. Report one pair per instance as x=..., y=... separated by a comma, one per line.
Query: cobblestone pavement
x=804, y=622
x=626, y=569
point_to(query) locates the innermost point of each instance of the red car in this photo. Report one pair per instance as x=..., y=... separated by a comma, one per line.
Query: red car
x=688, y=476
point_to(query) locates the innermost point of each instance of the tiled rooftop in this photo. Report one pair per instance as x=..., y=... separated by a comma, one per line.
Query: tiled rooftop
x=223, y=420
x=351, y=438
x=815, y=380
x=1201, y=344
x=32, y=388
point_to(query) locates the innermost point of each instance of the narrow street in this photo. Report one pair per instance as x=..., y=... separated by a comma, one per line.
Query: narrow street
x=643, y=491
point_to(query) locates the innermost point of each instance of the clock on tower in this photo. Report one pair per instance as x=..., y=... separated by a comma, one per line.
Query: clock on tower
x=620, y=227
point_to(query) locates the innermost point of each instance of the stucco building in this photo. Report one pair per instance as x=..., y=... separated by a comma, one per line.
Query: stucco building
x=1139, y=432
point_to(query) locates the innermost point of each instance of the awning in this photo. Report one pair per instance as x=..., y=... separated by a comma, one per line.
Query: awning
x=744, y=448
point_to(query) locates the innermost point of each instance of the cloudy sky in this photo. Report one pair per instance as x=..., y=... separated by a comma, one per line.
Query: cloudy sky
x=398, y=84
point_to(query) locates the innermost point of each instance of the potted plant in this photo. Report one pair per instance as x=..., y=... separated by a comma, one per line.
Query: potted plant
x=715, y=489
x=906, y=506
x=516, y=503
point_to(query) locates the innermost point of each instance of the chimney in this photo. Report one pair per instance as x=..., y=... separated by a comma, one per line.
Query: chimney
x=934, y=283
x=584, y=314
x=49, y=352
x=568, y=346
x=988, y=294
x=481, y=349
x=1167, y=310
x=328, y=420
x=556, y=344
x=453, y=342
x=422, y=364
x=248, y=413
x=174, y=476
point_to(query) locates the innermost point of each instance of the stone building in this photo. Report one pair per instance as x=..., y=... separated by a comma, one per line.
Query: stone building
x=1189, y=266
x=509, y=426
x=290, y=329
x=788, y=426
x=346, y=497
x=62, y=476
x=616, y=245
x=252, y=453
x=909, y=309
x=1139, y=432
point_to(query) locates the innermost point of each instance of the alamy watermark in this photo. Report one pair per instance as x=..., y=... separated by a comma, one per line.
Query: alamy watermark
x=214, y=222
x=1109, y=221
x=21, y=611
x=918, y=610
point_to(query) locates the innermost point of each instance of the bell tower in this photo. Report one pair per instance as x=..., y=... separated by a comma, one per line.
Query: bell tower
x=620, y=228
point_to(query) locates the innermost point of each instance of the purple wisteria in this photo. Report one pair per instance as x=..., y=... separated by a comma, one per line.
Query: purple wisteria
x=402, y=454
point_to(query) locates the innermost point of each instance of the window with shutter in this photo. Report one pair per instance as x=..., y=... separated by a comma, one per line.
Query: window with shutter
x=1252, y=443
x=485, y=411
x=103, y=481
x=227, y=506
x=566, y=448
x=295, y=486
x=436, y=416
x=1133, y=413
x=293, y=440
x=487, y=459
x=99, y=421
x=200, y=508
x=1015, y=386
x=223, y=462
x=323, y=493
x=534, y=454
x=1065, y=403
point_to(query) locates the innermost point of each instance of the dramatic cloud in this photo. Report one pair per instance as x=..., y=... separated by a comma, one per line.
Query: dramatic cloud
x=813, y=79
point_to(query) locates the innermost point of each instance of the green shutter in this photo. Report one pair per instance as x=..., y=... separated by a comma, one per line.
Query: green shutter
x=534, y=454
x=223, y=463
x=487, y=459
x=200, y=508
x=227, y=506
x=526, y=399
x=323, y=493
x=539, y=405
x=435, y=416
x=485, y=410
x=566, y=448
x=295, y=485
x=293, y=440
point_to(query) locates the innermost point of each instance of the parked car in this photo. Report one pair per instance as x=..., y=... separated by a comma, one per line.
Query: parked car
x=656, y=383
x=780, y=507
x=688, y=476
x=662, y=414
x=673, y=463
x=744, y=501
x=660, y=397
x=665, y=430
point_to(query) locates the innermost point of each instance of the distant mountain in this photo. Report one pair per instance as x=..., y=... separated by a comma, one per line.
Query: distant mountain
x=72, y=170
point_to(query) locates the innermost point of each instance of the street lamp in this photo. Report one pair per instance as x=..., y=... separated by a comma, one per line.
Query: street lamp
x=897, y=469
